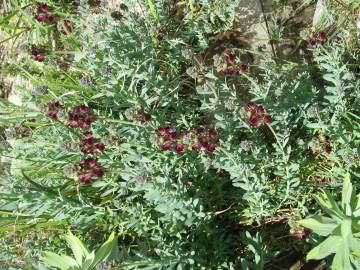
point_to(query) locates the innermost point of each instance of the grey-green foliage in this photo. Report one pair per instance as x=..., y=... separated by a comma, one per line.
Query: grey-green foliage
x=257, y=253
x=341, y=227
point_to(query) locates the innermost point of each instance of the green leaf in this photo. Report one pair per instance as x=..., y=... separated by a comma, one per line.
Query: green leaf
x=153, y=10
x=77, y=247
x=327, y=202
x=105, y=250
x=347, y=192
x=341, y=260
x=63, y=262
x=89, y=261
x=319, y=224
x=325, y=248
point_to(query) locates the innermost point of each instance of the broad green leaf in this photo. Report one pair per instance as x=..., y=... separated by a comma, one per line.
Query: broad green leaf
x=105, y=250
x=341, y=259
x=77, y=247
x=88, y=262
x=319, y=224
x=324, y=249
x=63, y=262
x=327, y=202
x=347, y=192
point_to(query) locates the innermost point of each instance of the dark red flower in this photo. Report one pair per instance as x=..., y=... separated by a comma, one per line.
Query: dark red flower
x=161, y=132
x=307, y=232
x=204, y=143
x=243, y=68
x=88, y=134
x=298, y=236
x=87, y=141
x=254, y=121
x=213, y=134
x=98, y=172
x=54, y=106
x=230, y=58
x=82, y=109
x=211, y=147
x=52, y=115
x=260, y=110
x=322, y=37
x=50, y=18
x=267, y=119
x=90, y=162
x=251, y=106
x=63, y=32
x=85, y=123
x=180, y=148
x=145, y=117
x=39, y=57
x=86, y=179
x=100, y=147
x=196, y=147
x=327, y=149
x=166, y=147
x=231, y=70
x=73, y=124
x=312, y=42
x=42, y=8
x=40, y=18
x=172, y=136
x=200, y=131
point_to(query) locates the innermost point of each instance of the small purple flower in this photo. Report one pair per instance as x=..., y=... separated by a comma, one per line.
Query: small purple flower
x=312, y=42
x=307, y=232
x=166, y=147
x=42, y=8
x=213, y=134
x=161, y=132
x=298, y=236
x=97, y=172
x=254, y=121
x=86, y=179
x=327, y=149
x=231, y=70
x=243, y=68
x=267, y=119
x=211, y=147
x=260, y=110
x=180, y=148
x=322, y=37
x=251, y=106
x=230, y=58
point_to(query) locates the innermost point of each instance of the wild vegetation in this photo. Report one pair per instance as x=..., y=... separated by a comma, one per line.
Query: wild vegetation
x=137, y=138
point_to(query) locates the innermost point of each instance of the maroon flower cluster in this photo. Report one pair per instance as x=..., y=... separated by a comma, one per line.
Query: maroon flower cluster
x=54, y=109
x=232, y=69
x=321, y=37
x=300, y=235
x=37, y=53
x=254, y=113
x=142, y=116
x=44, y=14
x=80, y=117
x=195, y=140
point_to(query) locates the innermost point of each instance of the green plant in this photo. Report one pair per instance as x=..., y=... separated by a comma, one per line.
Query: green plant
x=83, y=259
x=341, y=228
